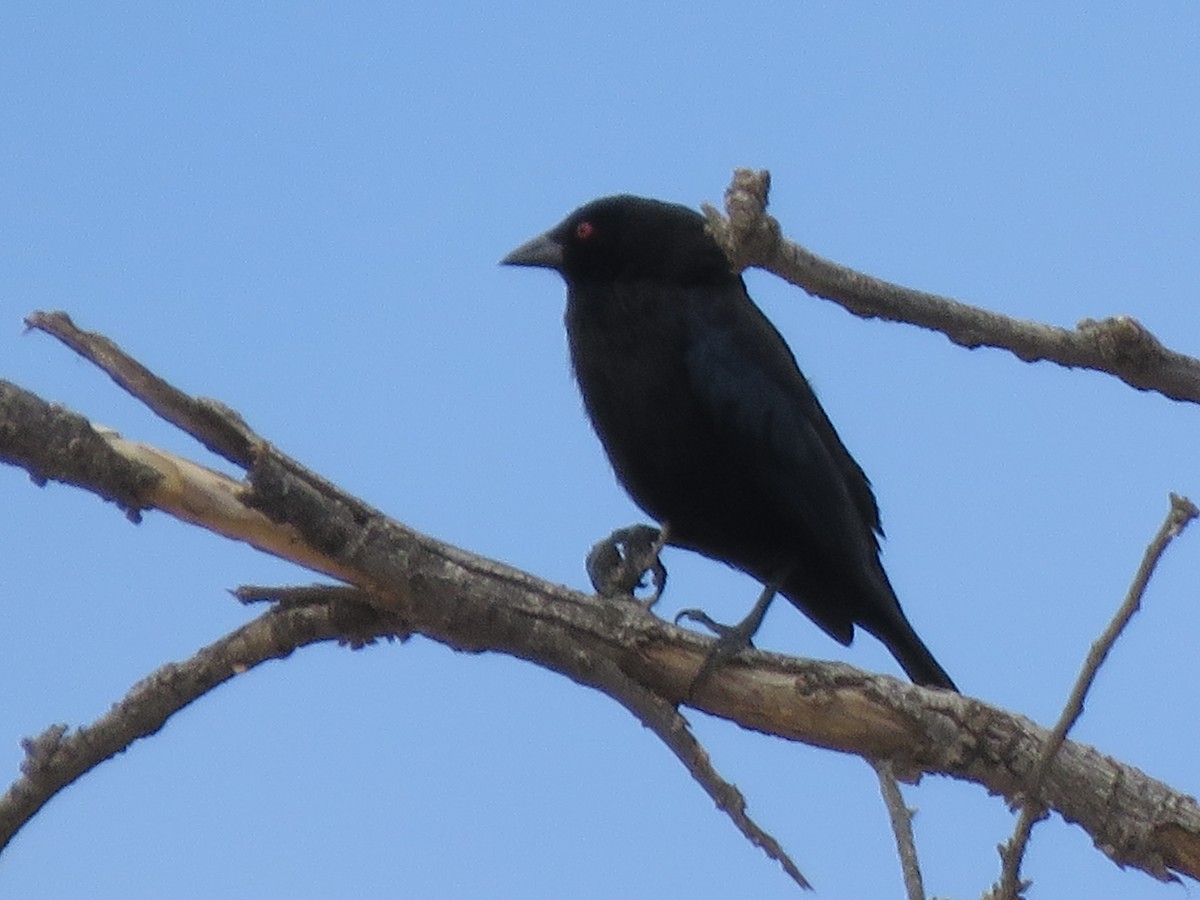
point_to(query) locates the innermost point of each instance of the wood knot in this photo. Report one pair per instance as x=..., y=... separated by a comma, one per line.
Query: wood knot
x=1123, y=342
x=746, y=233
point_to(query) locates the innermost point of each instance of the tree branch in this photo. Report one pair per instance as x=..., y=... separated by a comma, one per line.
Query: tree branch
x=419, y=585
x=901, y=818
x=1182, y=512
x=215, y=426
x=662, y=717
x=1118, y=345
x=56, y=757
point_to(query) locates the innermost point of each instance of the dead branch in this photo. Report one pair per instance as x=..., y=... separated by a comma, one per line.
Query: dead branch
x=59, y=756
x=422, y=586
x=1118, y=345
x=1181, y=513
x=901, y=818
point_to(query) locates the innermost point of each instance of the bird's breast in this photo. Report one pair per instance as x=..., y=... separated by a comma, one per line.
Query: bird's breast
x=629, y=354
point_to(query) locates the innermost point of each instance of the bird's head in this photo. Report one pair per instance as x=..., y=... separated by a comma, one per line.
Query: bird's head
x=626, y=238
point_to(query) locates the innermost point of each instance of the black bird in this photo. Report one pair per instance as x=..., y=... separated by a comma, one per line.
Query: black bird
x=710, y=425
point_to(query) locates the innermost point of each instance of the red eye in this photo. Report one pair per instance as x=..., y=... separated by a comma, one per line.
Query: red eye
x=584, y=230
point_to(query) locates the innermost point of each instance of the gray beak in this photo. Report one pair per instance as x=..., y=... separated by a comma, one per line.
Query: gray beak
x=543, y=251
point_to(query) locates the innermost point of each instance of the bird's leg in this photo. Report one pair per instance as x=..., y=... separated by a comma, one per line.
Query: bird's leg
x=731, y=639
x=618, y=565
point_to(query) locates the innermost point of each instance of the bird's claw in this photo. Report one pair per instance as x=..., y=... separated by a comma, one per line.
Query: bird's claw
x=700, y=617
x=618, y=565
x=731, y=639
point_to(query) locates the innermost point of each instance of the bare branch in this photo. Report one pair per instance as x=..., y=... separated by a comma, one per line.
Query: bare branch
x=1120, y=346
x=139, y=477
x=663, y=718
x=211, y=424
x=1182, y=512
x=901, y=818
x=57, y=757
x=54, y=444
x=474, y=604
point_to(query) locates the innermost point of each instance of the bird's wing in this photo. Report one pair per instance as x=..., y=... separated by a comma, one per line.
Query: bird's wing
x=761, y=406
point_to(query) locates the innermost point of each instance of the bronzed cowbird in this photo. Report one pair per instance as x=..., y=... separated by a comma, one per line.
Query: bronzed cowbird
x=709, y=423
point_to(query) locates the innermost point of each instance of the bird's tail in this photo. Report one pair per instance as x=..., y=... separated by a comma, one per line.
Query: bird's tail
x=912, y=654
x=881, y=616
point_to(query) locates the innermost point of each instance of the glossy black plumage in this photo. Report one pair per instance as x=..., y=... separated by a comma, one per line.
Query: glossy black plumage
x=709, y=423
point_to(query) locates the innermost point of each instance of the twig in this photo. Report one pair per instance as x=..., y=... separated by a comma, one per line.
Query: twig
x=297, y=595
x=212, y=424
x=1120, y=345
x=1033, y=810
x=57, y=757
x=901, y=818
x=664, y=719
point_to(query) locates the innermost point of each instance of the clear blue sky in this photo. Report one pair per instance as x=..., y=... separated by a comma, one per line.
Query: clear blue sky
x=298, y=208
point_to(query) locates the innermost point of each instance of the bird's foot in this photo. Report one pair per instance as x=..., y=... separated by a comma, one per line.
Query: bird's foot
x=723, y=632
x=619, y=565
x=731, y=639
